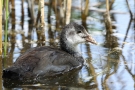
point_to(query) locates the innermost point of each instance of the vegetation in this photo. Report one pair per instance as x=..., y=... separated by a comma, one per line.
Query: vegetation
x=31, y=23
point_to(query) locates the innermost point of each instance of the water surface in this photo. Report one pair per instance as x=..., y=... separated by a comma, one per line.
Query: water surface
x=110, y=65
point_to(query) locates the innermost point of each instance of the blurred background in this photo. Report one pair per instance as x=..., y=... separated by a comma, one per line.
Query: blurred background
x=110, y=65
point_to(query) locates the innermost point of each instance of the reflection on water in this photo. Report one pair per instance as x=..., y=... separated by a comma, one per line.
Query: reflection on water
x=69, y=79
x=109, y=65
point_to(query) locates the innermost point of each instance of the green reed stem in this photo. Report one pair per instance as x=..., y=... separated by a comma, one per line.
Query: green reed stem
x=6, y=27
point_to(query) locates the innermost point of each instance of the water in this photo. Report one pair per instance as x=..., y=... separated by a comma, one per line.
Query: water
x=109, y=65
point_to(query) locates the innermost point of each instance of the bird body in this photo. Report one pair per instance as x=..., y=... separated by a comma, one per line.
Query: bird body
x=50, y=61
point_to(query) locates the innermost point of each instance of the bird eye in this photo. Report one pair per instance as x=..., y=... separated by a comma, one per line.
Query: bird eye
x=79, y=31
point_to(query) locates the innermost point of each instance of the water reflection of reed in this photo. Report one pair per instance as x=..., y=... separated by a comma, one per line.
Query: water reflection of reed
x=46, y=35
x=0, y=45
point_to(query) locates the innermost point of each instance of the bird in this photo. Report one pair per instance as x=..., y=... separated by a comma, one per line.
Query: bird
x=49, y=61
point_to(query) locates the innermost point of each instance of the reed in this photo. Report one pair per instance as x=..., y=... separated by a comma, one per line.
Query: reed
x=84, y=12
x=128, y=6
x=110, y=6
x=1, y=27
x=107, y=6
x=1, y=44
x=6, y=27
x=31, y=10
x=68, y=11
x=107, y=18
x=85, y=9
x=42, y=13
x=42, y=21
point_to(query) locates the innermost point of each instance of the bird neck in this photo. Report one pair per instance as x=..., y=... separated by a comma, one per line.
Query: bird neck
x=68, y=47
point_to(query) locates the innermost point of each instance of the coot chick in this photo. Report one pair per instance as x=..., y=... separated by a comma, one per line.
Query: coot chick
x=49, y=61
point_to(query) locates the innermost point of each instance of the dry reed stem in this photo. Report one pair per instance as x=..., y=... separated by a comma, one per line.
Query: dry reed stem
x=108, y=19
x=0, y=44
x=84, y=11
x=110, y=6
x=31, y=7
x=68, y=11
x=107, y=5
x=0, y=27
x=86, y=7
x=42, y=13
x=42, y=20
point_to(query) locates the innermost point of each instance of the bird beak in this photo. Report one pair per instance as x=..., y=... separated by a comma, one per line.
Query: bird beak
x=90, y=39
